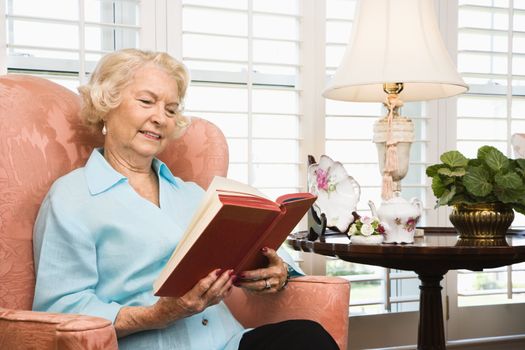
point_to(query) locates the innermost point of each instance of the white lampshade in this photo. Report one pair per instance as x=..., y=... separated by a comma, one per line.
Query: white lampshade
x=395, y=41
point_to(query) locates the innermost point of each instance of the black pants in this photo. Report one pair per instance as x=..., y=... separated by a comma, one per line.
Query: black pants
x=288, y=335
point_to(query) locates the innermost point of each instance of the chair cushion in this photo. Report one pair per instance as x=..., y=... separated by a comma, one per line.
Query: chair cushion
x=42, y=331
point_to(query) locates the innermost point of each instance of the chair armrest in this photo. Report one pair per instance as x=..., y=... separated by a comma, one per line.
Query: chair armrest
x=318, y=298
x=41, y=330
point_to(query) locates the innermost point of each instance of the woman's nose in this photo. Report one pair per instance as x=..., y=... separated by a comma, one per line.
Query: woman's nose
x=158, y=116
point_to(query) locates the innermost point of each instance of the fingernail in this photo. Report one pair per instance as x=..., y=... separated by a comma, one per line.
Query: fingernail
x=264, y=249
x=218, y=272
x=231, y=272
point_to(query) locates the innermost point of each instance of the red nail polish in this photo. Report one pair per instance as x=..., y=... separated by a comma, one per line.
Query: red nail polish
x=218, y=272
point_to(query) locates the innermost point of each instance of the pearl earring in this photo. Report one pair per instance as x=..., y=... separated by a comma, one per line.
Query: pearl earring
x=104, y=130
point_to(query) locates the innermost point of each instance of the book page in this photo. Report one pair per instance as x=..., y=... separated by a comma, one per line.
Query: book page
x=227, y=185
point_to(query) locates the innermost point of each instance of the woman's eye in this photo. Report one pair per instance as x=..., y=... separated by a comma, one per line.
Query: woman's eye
x=147, y=102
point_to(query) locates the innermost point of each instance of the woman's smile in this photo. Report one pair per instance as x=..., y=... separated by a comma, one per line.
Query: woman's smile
x=150, y=135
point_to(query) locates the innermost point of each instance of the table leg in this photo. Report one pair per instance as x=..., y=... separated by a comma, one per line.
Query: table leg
x=431, y=335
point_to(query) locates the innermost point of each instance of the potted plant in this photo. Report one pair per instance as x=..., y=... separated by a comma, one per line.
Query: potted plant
x=483, y=191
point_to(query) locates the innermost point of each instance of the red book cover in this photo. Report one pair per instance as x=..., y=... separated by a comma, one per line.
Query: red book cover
x=293, y=207
x=228, y=232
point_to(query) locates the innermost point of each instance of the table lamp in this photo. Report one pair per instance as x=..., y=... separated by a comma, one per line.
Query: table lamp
x=395, y=54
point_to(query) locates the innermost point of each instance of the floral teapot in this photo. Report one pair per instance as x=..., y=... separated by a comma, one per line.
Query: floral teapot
x=399, y=218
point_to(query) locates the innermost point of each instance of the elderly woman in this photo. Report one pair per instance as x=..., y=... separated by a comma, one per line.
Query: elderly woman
x=105, y=231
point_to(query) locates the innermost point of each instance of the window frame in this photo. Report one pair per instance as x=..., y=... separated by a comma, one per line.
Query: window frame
x=160, y=30
x=63, y=67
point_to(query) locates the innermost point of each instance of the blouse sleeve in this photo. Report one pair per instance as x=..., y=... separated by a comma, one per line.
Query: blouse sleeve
x=66, y=264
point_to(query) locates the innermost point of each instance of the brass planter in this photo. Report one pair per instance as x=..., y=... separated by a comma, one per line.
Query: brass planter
x=487, y=222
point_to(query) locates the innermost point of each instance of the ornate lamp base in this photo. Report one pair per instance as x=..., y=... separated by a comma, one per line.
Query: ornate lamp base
x=402, y=135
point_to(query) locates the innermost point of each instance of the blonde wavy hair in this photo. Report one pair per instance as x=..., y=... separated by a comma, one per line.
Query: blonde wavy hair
x=114, y=72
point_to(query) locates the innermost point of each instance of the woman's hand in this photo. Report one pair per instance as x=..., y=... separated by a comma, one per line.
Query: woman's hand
x=208, y=291
x=266, y=280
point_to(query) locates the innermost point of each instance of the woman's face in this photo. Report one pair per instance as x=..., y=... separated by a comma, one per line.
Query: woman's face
x=145, y=121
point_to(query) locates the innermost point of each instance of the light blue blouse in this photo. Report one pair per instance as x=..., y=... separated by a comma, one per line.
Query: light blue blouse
x=99, y=246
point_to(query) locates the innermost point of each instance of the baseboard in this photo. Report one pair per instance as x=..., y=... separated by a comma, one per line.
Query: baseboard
x=511, y=342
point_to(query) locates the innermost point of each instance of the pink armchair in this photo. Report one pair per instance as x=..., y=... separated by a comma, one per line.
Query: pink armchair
x=42, y=139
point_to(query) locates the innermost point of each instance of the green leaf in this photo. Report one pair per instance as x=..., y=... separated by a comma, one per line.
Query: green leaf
x=520, y=208
x=493, y=158
x=433, y=169
x=455, y=172
x=514, y=168
x=520, y=172
x=477, y=181
x=447, y=196
x=508, y=181
x=438, y=187
x=483, y=150
x=521, y=163
x=509, y=195
x=459, y=198
x=475, y=162
x=447, y=181
x=454, y=159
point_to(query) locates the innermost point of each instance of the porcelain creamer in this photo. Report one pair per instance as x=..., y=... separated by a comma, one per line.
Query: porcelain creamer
x=399, y=218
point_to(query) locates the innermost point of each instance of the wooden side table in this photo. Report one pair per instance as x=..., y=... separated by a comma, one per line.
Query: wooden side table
x=430, y=257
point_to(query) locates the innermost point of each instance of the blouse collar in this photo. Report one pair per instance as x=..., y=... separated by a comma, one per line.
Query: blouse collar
x=101, y=176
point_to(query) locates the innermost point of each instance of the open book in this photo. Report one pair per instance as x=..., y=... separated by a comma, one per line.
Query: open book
x=232, y=224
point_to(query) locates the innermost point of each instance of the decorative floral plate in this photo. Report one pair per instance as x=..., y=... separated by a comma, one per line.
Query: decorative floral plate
x=337, y=192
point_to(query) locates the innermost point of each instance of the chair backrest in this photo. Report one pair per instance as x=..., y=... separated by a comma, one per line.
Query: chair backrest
x=43, y=138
